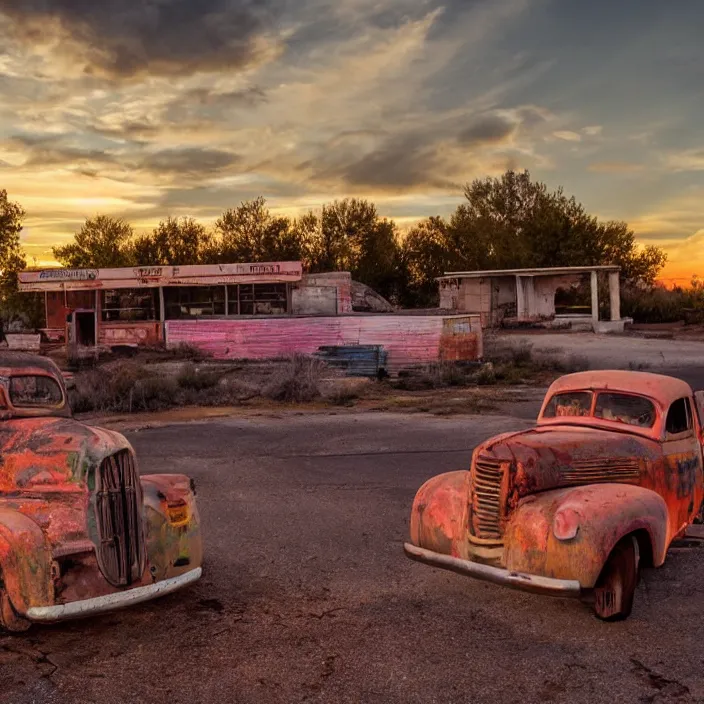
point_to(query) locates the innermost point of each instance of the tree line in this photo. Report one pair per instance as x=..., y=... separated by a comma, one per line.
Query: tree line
x=507, y=222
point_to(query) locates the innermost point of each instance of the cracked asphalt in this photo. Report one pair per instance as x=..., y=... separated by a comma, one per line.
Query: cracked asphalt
x=307, y=596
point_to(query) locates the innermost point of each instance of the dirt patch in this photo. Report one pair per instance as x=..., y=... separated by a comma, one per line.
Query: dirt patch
x=179, y=387
x=379, y=398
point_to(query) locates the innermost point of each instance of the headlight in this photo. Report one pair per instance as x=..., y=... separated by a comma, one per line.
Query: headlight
x=565, y=525
x=178, y=513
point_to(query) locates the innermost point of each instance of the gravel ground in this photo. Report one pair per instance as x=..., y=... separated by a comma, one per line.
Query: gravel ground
x=613, y=351
x=307, y=596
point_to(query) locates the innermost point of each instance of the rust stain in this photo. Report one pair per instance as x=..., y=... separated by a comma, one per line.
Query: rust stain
x=555, y=500
x=76, y=519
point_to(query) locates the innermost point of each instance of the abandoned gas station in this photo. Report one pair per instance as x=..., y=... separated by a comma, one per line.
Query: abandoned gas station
x=132, y=305
x=528, y=296
x=241, y=311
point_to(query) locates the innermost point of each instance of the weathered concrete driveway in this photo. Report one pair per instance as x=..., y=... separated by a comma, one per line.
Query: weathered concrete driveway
x=308, y=597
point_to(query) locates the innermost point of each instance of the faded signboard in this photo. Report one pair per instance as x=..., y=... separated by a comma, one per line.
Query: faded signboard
x=153, y=276
x=26, y=342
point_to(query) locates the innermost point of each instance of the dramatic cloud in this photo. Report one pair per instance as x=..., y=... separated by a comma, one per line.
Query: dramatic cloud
x=128, y=38
x=190, y=162
x=141, y=108
x=490, y=129
x=404, y=163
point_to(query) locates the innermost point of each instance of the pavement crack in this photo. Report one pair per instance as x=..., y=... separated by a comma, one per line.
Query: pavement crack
x=323, y=614
x=45, y=659
x=666, y=688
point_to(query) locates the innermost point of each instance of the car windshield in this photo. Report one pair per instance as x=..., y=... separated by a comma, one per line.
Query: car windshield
x=35, y=391
x=576, y=403
x=625, y=408
x=620, y=408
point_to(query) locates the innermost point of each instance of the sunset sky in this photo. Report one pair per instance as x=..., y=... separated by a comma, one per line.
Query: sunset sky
x=149, y=108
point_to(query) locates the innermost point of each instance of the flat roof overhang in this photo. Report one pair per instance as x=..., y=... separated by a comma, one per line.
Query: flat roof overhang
x=553, y=271
x=156, y=276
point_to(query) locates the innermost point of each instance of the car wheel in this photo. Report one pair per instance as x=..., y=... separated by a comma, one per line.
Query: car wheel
x=10, y=620
x=616, y=586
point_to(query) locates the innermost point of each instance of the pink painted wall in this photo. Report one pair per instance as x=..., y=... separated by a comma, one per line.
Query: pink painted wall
x=408, y=339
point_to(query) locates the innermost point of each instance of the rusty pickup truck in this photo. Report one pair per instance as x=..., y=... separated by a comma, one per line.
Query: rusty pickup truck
x=80, y=531
x=609, y=476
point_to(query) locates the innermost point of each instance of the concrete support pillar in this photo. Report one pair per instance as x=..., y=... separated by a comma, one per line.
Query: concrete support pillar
x=162, y=314
x=520, y=298
x=529, y=295
x=615, y=295
x=595, y=297
x=97, y=317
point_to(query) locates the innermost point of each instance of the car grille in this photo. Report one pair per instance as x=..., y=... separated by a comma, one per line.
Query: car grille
x=121, y=553
x=595, y=471
x=486, y=481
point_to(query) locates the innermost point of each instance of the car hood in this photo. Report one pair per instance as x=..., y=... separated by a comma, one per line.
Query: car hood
x=46, y=453
x=549, y=457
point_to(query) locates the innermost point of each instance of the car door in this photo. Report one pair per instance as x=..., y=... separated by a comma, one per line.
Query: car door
x=683, y=463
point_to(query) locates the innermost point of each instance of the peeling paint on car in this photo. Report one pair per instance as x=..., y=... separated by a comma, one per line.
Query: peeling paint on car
x=53, y=526
x=556, y=500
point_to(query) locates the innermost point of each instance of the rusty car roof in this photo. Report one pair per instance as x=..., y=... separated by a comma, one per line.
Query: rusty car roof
x=664, y=389
x=12, y=362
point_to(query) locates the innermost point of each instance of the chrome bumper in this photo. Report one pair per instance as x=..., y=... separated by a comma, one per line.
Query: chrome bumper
x=110, y=602
x=515, y=580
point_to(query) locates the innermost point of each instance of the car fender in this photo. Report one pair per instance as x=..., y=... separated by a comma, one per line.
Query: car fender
x=173, y=537
x=439, y=514
x=569, y=533
x=25, y=562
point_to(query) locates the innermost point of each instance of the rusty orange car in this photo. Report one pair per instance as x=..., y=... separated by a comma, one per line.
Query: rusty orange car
x=609, y=476
x=81, y=532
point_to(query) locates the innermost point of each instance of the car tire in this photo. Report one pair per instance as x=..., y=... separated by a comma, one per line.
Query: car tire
x=10, y=620
x=615, y=589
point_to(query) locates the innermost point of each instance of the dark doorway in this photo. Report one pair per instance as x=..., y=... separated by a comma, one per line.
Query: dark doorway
x=84, y=322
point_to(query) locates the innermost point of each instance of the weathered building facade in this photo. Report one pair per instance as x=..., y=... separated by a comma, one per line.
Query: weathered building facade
x=528, y=295
x=130, y=306
x=238, y=311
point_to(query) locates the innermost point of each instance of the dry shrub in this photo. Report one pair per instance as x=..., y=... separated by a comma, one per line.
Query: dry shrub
x=153, y=393
x=190, y=377
x=122, y=387
x=184, y=350
x=439, y=375
x=296, y=381
x=342, y=396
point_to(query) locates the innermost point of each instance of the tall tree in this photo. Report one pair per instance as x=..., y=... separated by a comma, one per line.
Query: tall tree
x=520, y=223
x=102, y=242
x=427, y=252
x=12, y=258
x=250, y=233
x=515, y=222
x=173, y=242
x=350, y=236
